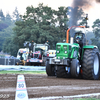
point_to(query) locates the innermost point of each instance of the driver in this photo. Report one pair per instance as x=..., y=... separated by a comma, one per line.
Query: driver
x=77, y=39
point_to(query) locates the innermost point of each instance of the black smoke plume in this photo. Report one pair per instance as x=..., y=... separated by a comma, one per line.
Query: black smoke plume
x=86, y=4
x=76, y=11
x=98, y=1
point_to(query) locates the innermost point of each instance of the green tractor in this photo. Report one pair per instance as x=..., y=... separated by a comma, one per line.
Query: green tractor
x=75, y=59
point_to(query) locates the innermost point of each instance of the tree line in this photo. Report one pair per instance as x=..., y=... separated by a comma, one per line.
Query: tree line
x=7, y=23
x=38, y=24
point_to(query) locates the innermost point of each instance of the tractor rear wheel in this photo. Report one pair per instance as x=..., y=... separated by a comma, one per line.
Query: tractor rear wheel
x=50, y=69
x=90, y=64
x=62, y=73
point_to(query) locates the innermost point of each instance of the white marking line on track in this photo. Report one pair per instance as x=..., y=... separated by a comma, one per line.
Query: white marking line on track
x=21, y=92
x=66, y=97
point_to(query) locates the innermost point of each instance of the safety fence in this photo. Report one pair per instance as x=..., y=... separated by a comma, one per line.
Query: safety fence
x=8, y=61
x=21, y=68
x=9, y=64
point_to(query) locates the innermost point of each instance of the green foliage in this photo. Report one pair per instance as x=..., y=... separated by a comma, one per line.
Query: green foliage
x=2, y=17
x=89, y=36
x=16, y=15
x=41, y=24
x=96, y=31
x=3, y=26
x=6, y=33
x=38, y=24
x=8, y=19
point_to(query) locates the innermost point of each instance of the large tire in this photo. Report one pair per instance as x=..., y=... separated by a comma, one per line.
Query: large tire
x=50, y=69
x=75, y=68
x=62, y=73
x=91, y=64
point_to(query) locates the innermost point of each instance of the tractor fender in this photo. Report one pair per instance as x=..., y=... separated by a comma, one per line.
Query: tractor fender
x=89, y=47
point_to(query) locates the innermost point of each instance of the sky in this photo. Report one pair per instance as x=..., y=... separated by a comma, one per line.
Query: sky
x=8, y=6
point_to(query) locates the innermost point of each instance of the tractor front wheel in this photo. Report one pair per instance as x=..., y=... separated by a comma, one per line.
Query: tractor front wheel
x=91, y=64
x=50, y=69
x=75, y=68
x=62, y=73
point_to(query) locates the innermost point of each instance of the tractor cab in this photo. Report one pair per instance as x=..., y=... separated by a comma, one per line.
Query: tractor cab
x=80, y=38
x=38, y=53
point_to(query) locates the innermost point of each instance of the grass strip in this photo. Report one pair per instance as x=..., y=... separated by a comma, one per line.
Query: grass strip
x=85, y=99
x=22, y=72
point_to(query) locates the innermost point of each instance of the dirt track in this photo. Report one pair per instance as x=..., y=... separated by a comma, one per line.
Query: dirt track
x=42, y=86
